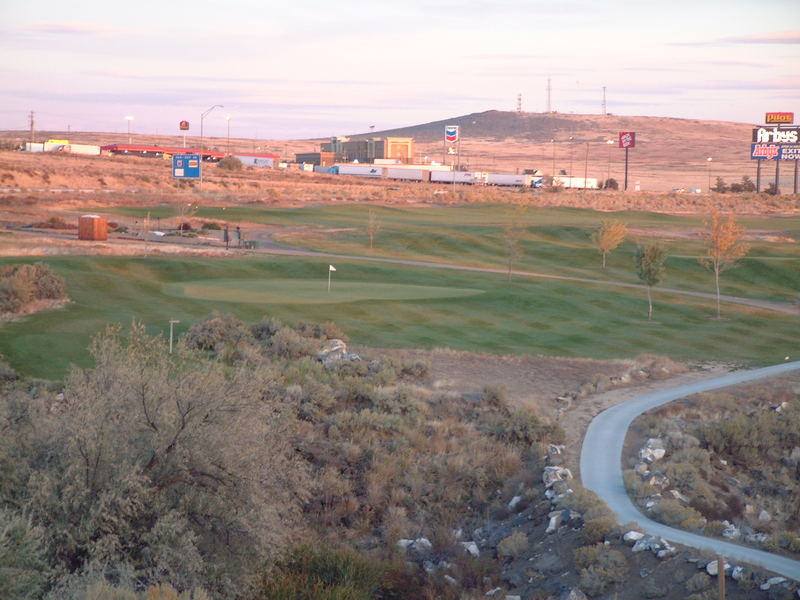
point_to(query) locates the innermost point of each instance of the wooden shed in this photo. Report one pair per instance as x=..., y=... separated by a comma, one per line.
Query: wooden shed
x=92, y=227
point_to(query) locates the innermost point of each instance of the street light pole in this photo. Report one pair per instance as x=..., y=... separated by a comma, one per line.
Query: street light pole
x=708, y=172
x=228, y=119
x=203, y=116
x=129, y=119
x=171, y=323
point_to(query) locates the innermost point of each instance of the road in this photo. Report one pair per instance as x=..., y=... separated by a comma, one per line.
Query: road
x=601, y=470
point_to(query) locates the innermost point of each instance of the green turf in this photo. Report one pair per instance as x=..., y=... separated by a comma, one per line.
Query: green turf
x=481, y=312
x=306, y=291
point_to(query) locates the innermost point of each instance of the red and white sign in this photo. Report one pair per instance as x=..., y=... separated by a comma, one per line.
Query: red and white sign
x=183, y=125
x=627, y=139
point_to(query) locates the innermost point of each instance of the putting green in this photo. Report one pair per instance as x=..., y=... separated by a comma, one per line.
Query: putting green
x=307, y=291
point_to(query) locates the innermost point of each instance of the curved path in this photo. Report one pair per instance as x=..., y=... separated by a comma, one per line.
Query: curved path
x=601, y=469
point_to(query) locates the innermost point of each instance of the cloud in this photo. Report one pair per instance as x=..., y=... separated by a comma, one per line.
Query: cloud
x=775, y=37
x=67, y=28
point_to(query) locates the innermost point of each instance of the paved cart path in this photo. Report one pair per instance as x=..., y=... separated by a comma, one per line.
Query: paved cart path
x=601, y=469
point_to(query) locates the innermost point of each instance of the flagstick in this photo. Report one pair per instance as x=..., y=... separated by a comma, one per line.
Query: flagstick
x=329, y=280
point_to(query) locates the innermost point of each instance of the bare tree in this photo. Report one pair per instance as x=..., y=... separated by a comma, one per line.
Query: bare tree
x=724, y=246
x=650, y=268
x=609, y=235
x=373, y=226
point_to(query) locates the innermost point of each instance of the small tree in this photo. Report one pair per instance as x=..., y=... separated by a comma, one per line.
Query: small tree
x=609, y=235
x=720, y=186
x=748, y=185
x=610, y=184
x=373, y=226
x=724, y=246
x=650, y=268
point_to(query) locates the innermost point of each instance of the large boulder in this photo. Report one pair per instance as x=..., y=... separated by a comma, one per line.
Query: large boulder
x=551, y=475
x=653, y=450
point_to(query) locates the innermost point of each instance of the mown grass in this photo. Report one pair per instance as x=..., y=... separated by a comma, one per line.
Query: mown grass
x=554, y=241
x=522, y=316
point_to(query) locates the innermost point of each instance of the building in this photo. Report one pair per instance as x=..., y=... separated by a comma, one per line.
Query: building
x=368, y=149
x=319, y=159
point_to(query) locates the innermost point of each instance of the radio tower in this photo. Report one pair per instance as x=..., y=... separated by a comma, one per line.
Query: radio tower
x=549, y=105
x=519, y=103
x=32, y=124
x=604, y=101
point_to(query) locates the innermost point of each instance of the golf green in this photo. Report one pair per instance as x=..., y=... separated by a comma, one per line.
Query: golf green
x=306, y=291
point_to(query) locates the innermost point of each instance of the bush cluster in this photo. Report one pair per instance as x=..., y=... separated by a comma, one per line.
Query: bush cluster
x=21, y=284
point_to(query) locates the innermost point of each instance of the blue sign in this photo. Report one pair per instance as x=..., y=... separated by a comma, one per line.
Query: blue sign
x=186, y=166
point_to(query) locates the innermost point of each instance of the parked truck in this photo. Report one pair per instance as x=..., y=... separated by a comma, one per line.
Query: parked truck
x=468, y=177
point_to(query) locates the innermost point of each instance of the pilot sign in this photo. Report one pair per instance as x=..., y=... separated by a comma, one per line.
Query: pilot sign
x=186, y=166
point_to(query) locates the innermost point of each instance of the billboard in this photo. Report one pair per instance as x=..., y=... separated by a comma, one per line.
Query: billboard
x=186, y=166
x=776, y=135
x=775, y=151
x=627, y=139
x=779, y=118
x=451, y=134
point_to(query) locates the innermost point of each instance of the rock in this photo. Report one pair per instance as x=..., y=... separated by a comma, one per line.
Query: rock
x=332, y=351
x=658, y=480
x=555, y=521
x=632, y=537
x=555, y=449
x=513, y=597
x=450, y=580
x=572, y=594
x=678, y=496
x=770, y=582
x=514, y=501
x=423, y=544
x=553, y=474
x=429, y=567
x=472, y=548
x=458, y=533
x=666, y=551
x=712, y=568
x=658, y=546
x=641, y=469
x=494, y=591
x=739, y=573
x=404, y=544
x=653, y=450
x=730, y=531
x=756, y=538
x=764, y=516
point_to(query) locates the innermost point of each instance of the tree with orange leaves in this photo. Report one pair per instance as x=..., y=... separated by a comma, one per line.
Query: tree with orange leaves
x=724, y=246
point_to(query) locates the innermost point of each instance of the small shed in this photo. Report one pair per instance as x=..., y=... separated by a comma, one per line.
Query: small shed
x=92, y=227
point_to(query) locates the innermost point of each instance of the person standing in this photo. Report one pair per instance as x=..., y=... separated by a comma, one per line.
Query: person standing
x=226, y=236
x=238, y=237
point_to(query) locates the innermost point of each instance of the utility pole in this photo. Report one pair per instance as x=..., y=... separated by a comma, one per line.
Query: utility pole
x=32, y=124
x=604, y=101
x=549, y=105
x=721, y=576
x=519, y=104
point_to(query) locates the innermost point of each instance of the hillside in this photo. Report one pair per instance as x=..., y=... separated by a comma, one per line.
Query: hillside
x=669, y=154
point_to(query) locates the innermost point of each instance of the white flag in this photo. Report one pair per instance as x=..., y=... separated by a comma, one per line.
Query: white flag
x=331, y=268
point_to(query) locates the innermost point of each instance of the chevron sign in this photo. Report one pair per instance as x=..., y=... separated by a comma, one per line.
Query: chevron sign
x=451, y=134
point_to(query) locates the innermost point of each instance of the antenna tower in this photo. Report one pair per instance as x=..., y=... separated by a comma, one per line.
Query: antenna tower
x=32, y=124
x=549, y=105
x=519, y=103
x=604, y=101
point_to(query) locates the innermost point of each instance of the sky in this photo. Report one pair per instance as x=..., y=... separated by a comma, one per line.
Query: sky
x=317, y=68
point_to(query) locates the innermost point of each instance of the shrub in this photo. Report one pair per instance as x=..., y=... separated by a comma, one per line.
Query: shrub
x=608, y=569
x=596, y=530
x=495, y=395
x=223, y=334
x=698, y=582
x=7, y=372
x=211, y=226
x=513, y=545
x=230, y=163
x=652, y=589
x=21, y=284
x=322, y=574
x=287, y=343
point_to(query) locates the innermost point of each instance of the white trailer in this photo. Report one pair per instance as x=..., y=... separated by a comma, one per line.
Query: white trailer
x=509, y=179
x=361, y=170
x=457, y=177
x=408, y=174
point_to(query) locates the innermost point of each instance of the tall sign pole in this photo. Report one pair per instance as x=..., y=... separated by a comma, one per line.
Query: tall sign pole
x=627, y=140
x=452, y=142
x=780, y=141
